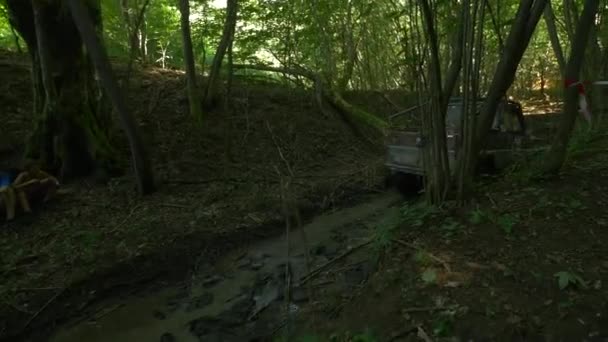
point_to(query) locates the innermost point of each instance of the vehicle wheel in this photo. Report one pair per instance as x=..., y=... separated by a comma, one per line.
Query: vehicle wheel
x=406, y=184
x=486, y=165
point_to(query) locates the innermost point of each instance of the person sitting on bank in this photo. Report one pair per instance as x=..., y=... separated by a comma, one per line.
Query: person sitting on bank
x=44, y=186
x=7, y=193
x=32, y=185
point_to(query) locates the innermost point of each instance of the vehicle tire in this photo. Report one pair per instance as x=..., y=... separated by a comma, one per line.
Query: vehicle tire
x=486, y=165
x=406, y=184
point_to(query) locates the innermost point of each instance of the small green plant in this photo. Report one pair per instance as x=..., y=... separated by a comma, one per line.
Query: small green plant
x=576, y=204
x=506, y=222
x=450, y=225
x=384, y=231
x=580, y=140
x=478, y=216
x=524, y=168
x=567, y=279
x=309, y=338
x=421, y=257
x=349, y=337
x=429, y=276
x=442, y=326
x=414, y=215
x=411, y=215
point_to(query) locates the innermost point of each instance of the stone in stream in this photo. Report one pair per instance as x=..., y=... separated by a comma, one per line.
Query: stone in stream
x=159, y=315
x=167, y=337
x=241, y=307
x=204, y=326
x=259, y=256
x=359, y=273
x=299, y=295
x=243, y=263
x=319, y=250
x=211, y=280
x=222, y=329
x=175, y=301
x=257, y=266
x=200, y=301
x=338, y=236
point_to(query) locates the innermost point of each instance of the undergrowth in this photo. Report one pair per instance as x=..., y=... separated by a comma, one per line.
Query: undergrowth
x=367, y=336
x=411, y=215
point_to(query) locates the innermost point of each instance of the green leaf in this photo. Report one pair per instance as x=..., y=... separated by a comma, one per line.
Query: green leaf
x=477, y=217
x=563, y=279
x=429, y=276
x=507, y=222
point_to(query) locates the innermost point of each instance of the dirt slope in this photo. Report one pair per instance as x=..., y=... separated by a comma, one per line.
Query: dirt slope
x=219, y=188
x=526, y=262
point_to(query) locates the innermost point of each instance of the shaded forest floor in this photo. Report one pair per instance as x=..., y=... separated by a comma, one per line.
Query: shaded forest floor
x=526, y=262
x=489, y=271
x=219, y=188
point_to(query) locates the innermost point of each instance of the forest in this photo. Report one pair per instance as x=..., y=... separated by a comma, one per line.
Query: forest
x=290, y=170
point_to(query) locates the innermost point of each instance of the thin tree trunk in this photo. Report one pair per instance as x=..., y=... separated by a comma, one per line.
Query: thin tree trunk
x=527, y=18
x=474, y=59
x=557, y=154
x=555, y=43
x=134, y=42
x=193, y=94
x=212, y=91
x=496, y=25
x=50, y=93
x=16, y=38
x=438, y=173
x=569, y=20
x=456, y=64
x=141, y=162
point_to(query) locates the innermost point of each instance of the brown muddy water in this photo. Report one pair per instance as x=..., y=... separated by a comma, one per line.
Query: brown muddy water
x=242, y=296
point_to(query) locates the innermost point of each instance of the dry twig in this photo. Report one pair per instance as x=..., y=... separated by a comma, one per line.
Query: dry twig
x=432, y=256
x=319, y=269
x=43, y=308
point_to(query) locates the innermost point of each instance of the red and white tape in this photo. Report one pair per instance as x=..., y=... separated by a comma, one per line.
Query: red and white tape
x=582, y=99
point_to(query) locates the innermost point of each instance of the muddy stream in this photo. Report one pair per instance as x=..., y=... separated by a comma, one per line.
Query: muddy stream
x=242, y=296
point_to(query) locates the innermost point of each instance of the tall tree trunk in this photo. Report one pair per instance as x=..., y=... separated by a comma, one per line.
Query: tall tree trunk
x=135, y=41
x=496, y=25
x=68, y=135
x=456, y=63
x=555, y=43
x=193, y=94
x=473, y=49
x=140, y=159
x=522, y=29
x=437, y=173
x=557, y=154
x=212, y=91
x=16, y=39
x=143, y=41
x=569, y=19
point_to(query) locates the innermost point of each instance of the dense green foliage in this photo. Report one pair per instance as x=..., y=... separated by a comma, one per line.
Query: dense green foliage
x=7, y=38
x=358, y=44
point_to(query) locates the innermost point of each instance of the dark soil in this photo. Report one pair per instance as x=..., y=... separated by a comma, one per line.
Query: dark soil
x=525, y=262
x=219, y=188
x=490, y=271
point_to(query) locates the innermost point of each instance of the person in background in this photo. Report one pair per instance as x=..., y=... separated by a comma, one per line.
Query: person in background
x=44, y=186
x=7, y=193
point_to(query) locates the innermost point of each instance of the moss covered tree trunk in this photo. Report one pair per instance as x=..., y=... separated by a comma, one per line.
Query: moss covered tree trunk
x=93, y=43
x=68, y=135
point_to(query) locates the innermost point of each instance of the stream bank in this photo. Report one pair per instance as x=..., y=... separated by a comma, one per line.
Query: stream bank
x=241, y=296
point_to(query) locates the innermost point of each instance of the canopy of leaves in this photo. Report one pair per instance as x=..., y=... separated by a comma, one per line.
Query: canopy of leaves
x=357, y=44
